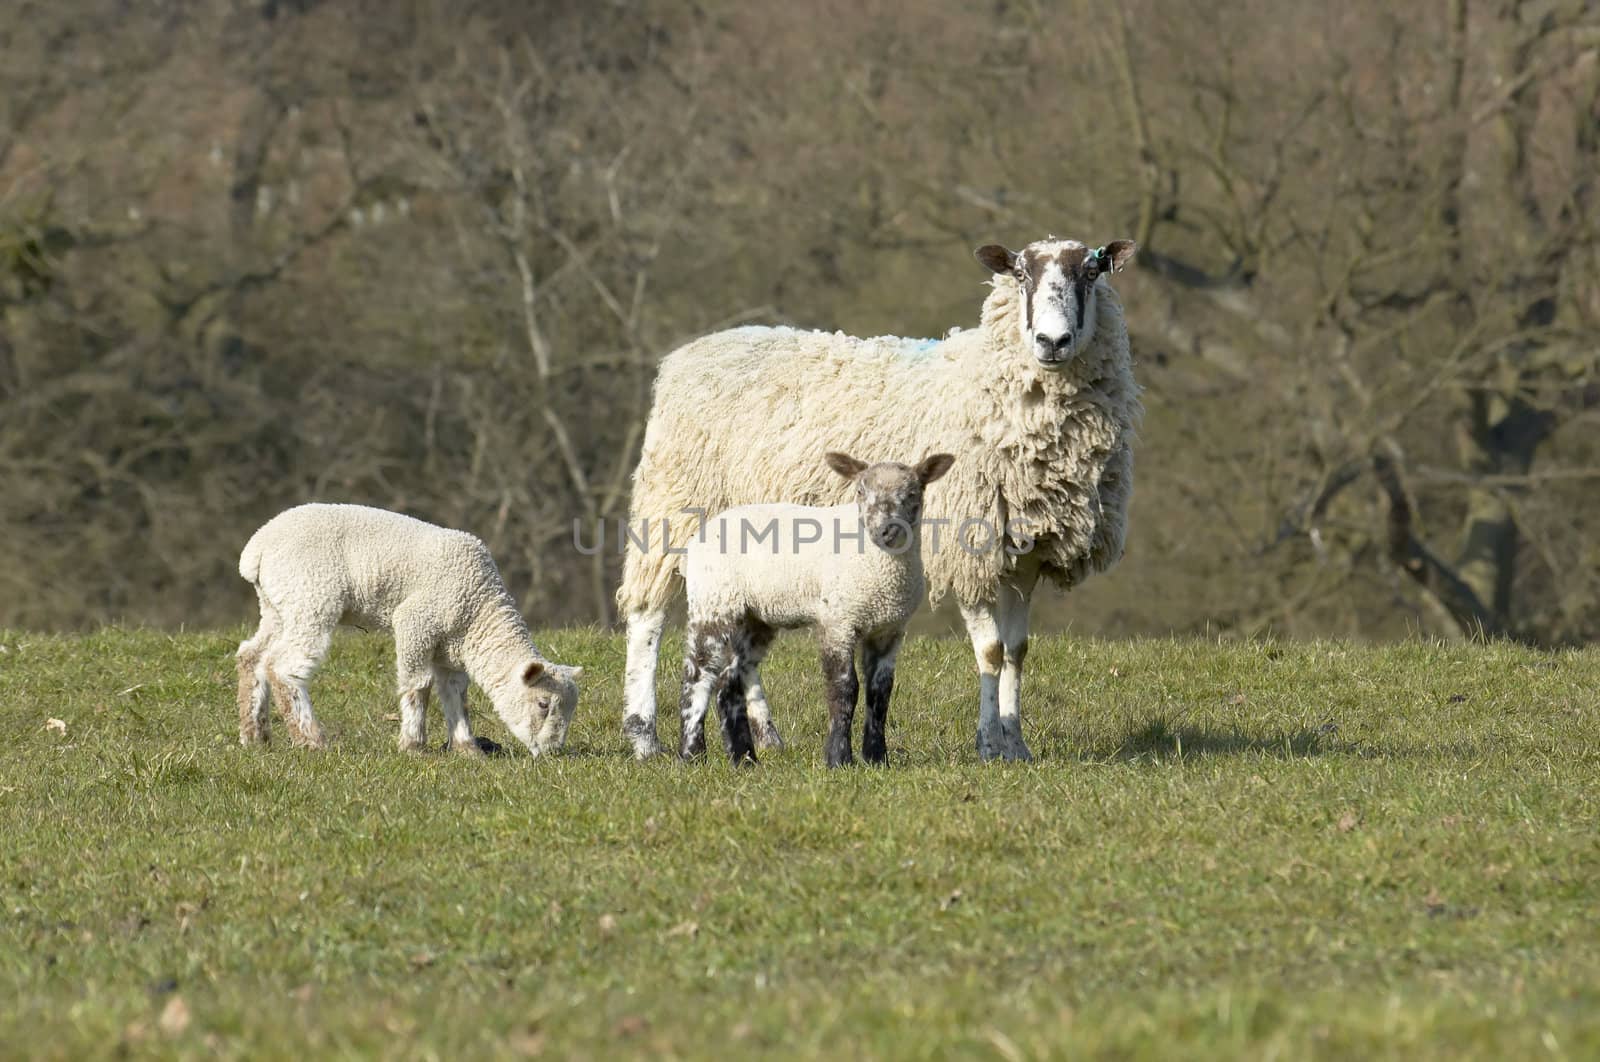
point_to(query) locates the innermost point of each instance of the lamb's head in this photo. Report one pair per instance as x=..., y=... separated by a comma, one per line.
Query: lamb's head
x=541, y=711
x=889, y=495
x=1058, y=281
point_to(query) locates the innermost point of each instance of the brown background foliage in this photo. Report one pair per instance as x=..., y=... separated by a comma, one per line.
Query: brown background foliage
x=425, y=255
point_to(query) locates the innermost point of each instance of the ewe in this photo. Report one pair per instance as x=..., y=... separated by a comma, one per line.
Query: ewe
x=854, y=571
x=1040, y=398
x=316, y=566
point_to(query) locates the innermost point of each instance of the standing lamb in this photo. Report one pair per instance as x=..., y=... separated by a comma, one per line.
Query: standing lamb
x=317, y=566
x=853, y=570
x=1041, y=397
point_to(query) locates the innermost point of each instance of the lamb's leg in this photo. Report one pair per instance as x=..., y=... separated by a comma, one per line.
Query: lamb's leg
x=735, y=720
x=839, y=673
x=877, y=667
x=1012, y=603
x=290, y=665
x=639, y=692
x=414, y=712
x=755, y=693
x=413, y=658
x=984, y=631
x=255, y=723
x=452, y=689
x=703, y=660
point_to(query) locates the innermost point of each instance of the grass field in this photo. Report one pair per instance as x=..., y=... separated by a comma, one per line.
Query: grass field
x=1222, y=850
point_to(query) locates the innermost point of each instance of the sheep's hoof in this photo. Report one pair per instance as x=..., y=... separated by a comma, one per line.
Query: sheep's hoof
x=766, y=735
x=642, y=733
x=469, y=748
x=409, y=744
x=1004, y=745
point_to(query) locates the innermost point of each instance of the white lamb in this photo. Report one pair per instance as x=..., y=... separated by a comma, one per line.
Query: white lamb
x=853, y=571
x=317, y=566
x=1039, y=399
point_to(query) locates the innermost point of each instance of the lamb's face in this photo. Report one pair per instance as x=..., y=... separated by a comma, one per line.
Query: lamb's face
x=889, y=495
x=1059, y=281
x=548, y=695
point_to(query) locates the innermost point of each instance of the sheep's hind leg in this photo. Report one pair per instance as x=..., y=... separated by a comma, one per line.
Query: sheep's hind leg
x=755, y=693
x=289, y=670
x=452, y=689
x=704, y=658
x=255, y=722
x=735, y=720
x=639, y=693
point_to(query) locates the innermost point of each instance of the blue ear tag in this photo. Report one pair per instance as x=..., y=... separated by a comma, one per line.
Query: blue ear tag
x=1100, y=253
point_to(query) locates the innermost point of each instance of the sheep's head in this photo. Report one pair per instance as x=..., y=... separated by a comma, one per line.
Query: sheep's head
x=889, y=495
x=547, y=695
x=1058, y=281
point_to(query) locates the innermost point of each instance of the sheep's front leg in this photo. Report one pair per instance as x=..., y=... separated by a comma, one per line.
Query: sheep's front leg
x=639, y=698
x=984, y=630
x=839, y=673
x=452, y=688
x=877, y=666
x=1012, y=603
x=414, y=712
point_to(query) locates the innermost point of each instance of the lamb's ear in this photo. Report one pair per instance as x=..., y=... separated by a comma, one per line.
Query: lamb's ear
x=933, y=466
x=844, y=464
x=574, y=673
x=531, y=673
x=996, y=258
x=1120, y=253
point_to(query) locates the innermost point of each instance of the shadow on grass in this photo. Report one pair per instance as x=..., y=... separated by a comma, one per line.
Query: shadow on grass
x=1162, y=739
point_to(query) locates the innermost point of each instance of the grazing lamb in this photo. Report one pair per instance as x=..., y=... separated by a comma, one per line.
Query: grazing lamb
x=853, y=570
x=1040, y=397
x=316, y=566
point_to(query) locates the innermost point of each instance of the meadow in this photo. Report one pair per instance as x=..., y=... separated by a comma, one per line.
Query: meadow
x=1250, y=850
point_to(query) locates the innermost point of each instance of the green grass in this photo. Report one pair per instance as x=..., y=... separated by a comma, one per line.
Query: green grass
x=1223, y=850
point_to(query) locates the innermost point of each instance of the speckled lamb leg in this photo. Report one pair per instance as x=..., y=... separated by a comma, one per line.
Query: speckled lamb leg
x=839, y=673
x=703, y=660
x=877, y=667
x=764, y=730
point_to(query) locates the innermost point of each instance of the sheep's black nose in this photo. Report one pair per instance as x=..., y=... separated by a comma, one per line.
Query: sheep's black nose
x=1054, y=343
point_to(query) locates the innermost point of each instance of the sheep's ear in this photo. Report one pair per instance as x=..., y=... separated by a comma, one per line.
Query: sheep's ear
x=844, y=464
x=574, y=673
x=531, y=673
x=1120, y=253
x=933, y=466
x=996, y=258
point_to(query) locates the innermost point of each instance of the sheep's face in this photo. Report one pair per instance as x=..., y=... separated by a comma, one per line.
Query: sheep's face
x=889, y=495
x=547, y=695
x=1058, y=281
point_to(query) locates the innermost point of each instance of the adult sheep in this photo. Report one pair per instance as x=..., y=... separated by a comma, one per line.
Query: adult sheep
x=1039, y=401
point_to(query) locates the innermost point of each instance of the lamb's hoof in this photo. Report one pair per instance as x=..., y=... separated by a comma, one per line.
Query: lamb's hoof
x=468, y=748
x=313, y=739
x=413, y=745
x=642, y=732
x=767, y=736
